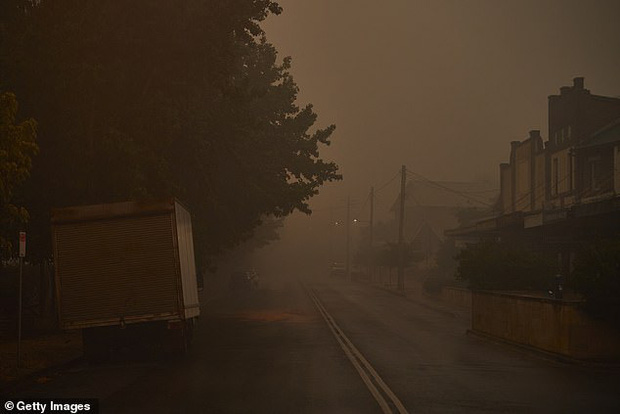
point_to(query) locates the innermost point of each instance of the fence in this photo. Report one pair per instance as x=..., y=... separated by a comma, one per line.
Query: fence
x=554, y=326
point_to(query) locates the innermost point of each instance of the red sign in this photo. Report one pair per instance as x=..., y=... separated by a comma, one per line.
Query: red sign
x=22, y=244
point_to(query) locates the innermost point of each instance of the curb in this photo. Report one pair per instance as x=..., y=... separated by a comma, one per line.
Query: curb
x=542, y=354
x=404, y=295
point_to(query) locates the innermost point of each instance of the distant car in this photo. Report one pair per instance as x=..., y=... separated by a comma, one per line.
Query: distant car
x=338, y=270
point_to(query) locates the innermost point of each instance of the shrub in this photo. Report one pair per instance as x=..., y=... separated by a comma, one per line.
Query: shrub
x=496, y=266
x=597, y=278
x=445, y=267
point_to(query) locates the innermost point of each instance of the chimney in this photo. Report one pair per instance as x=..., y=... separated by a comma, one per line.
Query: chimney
x=564, y=90
x=535, y=133
x=578, y=83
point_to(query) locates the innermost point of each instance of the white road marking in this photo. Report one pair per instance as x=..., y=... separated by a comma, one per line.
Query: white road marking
x=363, y=367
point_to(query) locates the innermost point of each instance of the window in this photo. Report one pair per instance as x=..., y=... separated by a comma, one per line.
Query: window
x=555, y=178
x=595, y=173
x=571, y=176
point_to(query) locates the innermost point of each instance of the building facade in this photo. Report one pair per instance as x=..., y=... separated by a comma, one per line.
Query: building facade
x=564, y=194
x=543, y=177
x=523, y=179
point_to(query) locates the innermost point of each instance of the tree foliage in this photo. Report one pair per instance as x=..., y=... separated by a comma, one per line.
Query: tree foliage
x=497, y=266
x=17, y=148
x=444, y=270
x=597, y=277
x=146, y=99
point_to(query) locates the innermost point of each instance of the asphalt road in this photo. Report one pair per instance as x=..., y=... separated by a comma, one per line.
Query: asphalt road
x=336, y=347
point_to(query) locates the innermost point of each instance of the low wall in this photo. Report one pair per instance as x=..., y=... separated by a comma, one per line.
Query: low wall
x=456, y=296
x=555, y=326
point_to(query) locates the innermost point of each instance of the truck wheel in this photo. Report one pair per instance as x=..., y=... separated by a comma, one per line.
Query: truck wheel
x=96, y=345
x=176, y=342
x=184, y=344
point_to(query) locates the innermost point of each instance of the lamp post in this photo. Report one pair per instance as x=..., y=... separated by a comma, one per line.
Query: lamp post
x=369, y=253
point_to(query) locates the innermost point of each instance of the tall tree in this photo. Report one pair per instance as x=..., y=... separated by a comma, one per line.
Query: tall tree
x=17, y=147
x=156, y=98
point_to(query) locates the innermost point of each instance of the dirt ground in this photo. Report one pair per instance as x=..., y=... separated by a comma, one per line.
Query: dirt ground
x=37, y=354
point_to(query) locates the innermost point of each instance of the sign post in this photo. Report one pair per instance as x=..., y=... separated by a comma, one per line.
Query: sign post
x=22, y=254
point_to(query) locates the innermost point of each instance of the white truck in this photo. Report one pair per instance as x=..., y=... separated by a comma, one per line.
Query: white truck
x=125, y=274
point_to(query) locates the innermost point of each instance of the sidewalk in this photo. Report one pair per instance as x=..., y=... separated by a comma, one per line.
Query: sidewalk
x=38, y=354
x=41, y=353
x=414, y=292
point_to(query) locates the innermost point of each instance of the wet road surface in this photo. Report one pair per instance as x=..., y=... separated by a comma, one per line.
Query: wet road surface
x=274, y=350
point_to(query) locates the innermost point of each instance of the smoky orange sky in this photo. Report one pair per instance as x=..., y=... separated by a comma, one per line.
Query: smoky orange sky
x=440, y=86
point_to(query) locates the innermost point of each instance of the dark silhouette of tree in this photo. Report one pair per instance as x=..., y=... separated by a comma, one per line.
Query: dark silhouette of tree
x=597, y=278
x=17, y=148
x=500, y=266
x=387, y=255
x=146, y=99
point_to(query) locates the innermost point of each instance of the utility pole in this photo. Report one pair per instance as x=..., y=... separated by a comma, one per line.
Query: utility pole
x=348, y=263
x=401, y=221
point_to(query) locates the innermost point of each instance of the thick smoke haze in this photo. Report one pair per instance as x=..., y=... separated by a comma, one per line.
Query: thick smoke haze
x=439, y=86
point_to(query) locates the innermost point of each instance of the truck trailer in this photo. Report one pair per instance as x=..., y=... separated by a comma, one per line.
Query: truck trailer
x=125, y=273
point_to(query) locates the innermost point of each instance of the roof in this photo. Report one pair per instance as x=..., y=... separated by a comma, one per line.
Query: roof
x=609, y=134
x=426, y=193
x=113, y=210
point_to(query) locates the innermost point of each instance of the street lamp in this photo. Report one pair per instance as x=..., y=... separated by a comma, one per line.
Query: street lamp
x=367, y=256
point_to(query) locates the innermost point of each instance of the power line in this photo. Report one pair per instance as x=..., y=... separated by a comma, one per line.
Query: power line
x=388, y=182
x=436, y=184
x=577, y=194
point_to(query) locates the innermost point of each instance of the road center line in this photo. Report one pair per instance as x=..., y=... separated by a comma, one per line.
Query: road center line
x=363, y=367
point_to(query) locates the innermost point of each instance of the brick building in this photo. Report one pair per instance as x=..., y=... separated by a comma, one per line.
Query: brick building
x=523, y=179
x=574, y=116
x=597, y=165
x=547, y=177
x=557, y=196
